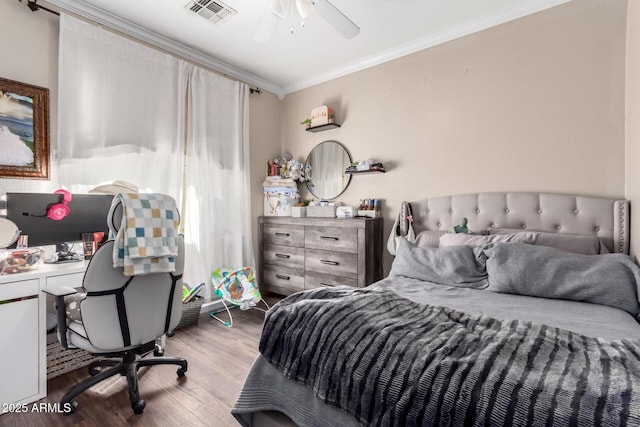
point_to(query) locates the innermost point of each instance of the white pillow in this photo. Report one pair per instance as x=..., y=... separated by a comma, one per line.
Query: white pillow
x=429, y=238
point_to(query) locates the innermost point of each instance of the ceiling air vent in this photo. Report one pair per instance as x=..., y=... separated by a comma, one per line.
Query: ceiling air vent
x=214, y=11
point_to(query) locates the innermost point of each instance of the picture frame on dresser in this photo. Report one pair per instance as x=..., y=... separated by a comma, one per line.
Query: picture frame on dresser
x=24, y=130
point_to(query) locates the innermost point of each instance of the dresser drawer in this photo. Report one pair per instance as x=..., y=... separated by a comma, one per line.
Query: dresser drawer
x=288, y=235
x=287, y=256
x=317, y=280
x=291, y=279
x=331, y=262
x=331, y=238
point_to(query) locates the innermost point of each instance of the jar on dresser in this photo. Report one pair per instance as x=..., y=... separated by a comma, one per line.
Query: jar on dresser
x=306, y=253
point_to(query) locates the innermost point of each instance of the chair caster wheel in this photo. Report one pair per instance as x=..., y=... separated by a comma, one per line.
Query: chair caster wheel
x=158, y=351
x=138, y=407
x=69, y=408
x=181, y=372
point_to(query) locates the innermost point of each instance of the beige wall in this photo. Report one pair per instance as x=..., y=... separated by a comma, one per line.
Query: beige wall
x=633, y=121
x=536, y=104
x=264, y=133
x=29, y=52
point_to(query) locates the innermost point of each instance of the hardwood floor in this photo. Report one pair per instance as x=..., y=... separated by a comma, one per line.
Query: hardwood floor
x=219, y=359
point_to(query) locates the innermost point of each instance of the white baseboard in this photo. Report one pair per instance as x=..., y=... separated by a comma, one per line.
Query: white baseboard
x=211, y=306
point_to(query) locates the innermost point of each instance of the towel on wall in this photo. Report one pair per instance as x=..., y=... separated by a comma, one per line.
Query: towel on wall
x=147, y=240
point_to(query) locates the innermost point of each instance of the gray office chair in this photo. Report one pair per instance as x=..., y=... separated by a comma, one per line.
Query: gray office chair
x=121, y=319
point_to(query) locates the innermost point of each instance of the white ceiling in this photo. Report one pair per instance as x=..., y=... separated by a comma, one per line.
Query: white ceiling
x=313, y=54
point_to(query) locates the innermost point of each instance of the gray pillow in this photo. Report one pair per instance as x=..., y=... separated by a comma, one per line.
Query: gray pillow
x=454, y=265
x=579, y=244
x=479, y=240
x=610, y=279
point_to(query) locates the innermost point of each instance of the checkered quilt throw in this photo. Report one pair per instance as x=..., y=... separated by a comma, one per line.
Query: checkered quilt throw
x=147, y=240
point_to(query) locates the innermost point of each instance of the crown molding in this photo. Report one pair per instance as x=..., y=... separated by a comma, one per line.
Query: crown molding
x=102, y=17
x=441, y=37
x=109, y=20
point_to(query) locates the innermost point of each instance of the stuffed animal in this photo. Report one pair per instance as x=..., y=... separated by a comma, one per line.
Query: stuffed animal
x=461, y=228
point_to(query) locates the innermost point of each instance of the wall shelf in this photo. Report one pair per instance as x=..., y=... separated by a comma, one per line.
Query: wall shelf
x=322, y=128
x=363, y=172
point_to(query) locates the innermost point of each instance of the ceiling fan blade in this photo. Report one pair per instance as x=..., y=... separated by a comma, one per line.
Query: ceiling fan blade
x=304, y=7
x=280, y=8
x=267, y=28
x=336, y=19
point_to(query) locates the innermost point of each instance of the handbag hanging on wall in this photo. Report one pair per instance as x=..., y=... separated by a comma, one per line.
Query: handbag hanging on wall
x=396, y=234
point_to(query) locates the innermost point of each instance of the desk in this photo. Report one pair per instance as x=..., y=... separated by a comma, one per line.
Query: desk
x=23, y=330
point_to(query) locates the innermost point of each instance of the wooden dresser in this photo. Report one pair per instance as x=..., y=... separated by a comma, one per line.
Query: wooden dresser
x=306, y=253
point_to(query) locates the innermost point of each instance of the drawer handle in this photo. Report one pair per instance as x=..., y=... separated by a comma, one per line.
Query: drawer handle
x=283, y=234
x=335, y=239
x=280, y=276
x=283, y=256
x=324, y=261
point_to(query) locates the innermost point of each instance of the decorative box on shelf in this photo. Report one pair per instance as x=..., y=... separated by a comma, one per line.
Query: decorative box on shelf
x=321, y=119
x=321, y=115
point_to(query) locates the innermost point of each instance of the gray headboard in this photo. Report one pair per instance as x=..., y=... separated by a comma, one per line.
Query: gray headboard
x=556, y=213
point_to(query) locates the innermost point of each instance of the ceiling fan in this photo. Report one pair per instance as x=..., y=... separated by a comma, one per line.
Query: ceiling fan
x=280, y=9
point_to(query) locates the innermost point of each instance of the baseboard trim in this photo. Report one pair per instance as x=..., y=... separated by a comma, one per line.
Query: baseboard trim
x=211, y=306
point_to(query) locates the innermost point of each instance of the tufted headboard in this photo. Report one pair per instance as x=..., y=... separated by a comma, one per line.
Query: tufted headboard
x=607, y=219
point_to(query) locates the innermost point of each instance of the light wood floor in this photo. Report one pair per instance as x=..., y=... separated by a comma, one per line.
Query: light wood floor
x=219, y=359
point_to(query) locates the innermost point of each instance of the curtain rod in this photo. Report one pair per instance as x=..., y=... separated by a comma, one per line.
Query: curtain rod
x=33, y=5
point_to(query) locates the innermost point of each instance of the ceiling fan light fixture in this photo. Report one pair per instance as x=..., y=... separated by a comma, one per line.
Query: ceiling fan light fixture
x=280, y=9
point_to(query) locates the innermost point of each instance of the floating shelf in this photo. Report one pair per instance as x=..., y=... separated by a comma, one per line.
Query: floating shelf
x=363, y=172
x=323, y=127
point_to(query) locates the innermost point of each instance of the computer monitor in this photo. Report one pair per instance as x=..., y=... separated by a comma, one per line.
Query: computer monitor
x=88, y=213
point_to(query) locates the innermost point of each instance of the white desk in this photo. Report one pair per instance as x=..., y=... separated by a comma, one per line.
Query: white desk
x=23, y=330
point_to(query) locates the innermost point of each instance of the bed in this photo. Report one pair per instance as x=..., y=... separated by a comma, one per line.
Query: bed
x=532, y=320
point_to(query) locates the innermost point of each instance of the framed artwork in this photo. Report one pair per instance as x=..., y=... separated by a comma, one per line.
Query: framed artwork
x=24, y=130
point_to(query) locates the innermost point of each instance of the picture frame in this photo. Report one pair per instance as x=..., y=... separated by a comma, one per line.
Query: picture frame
x=24, y=130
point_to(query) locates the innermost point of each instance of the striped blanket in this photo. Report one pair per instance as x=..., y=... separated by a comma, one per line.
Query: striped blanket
x=393, y=362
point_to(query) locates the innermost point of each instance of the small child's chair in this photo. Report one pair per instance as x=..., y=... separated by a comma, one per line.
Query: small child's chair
x=238, y=288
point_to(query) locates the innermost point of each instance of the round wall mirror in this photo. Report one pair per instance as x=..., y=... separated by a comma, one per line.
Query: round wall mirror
x=328, y=160
x=9, y=232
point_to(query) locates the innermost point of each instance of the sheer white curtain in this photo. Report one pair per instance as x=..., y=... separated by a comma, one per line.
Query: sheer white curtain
x=129, y=112
x=120, y=112
x=217, y=216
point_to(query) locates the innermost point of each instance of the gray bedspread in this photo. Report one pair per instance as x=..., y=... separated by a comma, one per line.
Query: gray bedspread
x=390, y=361
x=592, y=320
x=266, y=388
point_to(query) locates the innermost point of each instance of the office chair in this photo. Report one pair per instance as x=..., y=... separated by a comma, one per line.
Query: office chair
x=121, y=318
